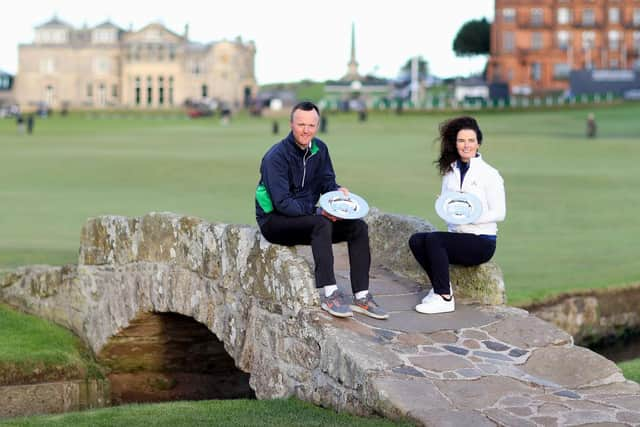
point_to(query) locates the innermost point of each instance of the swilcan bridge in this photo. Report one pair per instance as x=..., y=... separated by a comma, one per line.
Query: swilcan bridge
x=144, y=284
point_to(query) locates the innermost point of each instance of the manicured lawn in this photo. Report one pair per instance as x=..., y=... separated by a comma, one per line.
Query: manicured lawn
x=631, y=369
x=227, y=413
x=34, y=350
x=570, y=222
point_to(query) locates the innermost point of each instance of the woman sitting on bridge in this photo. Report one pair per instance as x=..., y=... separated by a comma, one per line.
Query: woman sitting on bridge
x=462, y=170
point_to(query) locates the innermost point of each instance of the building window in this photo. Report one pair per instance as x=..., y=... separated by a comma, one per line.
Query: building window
x=49, y=94
x=562, y=39
x=161, y=90
x=614, y=64
x=614, y=40
x=114, y=91
x=508, y=41
x=170, y=90
x=614, y=15
x=537, y=17
x=536, y=71
x=564, y=16
x=636, y=41
x=204, y=91
x=561, y=71
x=172, y=53
x=102, y=95
x=138, y=91
x=149, y=90
x=636, y=17
x=588, y=39
x=536, y=40
x=508, y=15
x=588, y=17
x=89, y=90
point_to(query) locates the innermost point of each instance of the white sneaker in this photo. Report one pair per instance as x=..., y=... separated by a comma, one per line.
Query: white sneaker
x=428, y=296
x=433, y=304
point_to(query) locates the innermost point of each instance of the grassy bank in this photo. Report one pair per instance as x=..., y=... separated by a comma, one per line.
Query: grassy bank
x=568, y=223
x=33, y=350
x=631, y=369
x=228, y=413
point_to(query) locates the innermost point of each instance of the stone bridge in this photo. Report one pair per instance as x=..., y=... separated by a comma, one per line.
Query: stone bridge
x=485, y=364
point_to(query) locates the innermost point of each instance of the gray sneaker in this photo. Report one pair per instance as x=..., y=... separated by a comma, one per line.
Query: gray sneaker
x=336, y=305
x=368, y=306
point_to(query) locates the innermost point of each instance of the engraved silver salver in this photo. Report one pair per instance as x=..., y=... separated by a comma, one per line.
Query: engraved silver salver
x=458, y=207
x=346, y=207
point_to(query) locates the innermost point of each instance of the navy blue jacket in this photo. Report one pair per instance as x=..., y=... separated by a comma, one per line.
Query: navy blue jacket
x=292, y=180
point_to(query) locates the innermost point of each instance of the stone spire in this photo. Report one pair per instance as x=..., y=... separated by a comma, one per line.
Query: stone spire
x=352, y=67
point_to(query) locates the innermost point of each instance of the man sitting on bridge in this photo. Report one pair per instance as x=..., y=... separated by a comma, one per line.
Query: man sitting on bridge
x=294, y=173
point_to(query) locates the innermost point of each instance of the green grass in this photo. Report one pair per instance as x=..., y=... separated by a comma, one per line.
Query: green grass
x=226, y=413
x=569, y=226
x=631, y=369
x=53, y=352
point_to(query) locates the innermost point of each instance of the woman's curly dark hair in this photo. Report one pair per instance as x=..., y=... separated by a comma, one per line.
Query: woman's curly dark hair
x=448, y=134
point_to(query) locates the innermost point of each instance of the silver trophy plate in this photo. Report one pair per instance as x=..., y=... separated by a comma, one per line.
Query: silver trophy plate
x=458, y=208
x=346, y=207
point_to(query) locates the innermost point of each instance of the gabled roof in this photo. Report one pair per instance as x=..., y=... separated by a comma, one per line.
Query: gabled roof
x=54, y=22
x=108, y=24
x=160, y=30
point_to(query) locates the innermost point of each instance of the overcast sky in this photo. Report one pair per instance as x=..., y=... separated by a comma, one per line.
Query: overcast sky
x=294, y=39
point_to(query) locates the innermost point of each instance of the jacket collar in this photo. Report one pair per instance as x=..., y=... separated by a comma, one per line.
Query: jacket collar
x=473, y=161
x=291, y=142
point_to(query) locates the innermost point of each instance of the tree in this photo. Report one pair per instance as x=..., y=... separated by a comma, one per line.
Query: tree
x=473, y=38
x=423, y=67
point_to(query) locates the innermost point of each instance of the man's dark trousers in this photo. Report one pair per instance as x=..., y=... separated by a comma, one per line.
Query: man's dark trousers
x=320, y=232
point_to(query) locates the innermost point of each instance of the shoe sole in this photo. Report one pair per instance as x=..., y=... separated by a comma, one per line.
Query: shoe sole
x=335, y=313
x=433, y=312
x=357, y=309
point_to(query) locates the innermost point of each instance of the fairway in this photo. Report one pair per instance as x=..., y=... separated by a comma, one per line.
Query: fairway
x=570, y=200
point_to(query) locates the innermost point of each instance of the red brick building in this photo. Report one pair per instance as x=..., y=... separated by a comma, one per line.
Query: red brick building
x=535, y=43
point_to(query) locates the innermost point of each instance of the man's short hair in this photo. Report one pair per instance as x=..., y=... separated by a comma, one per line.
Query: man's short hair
x=304, y=106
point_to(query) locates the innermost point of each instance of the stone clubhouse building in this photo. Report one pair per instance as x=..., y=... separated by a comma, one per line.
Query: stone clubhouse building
x=152, y=68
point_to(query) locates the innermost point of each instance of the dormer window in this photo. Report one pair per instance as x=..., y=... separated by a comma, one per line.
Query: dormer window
x=103, y=36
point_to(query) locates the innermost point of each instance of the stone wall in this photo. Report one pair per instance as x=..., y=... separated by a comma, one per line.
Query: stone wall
x=593, y=315
x=53, y=398
x=389, y=239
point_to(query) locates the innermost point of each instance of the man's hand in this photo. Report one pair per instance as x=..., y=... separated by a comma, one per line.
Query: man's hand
x=329, y=216
x=344, y=190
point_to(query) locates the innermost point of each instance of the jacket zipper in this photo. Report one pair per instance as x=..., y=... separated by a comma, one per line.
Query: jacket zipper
x=304, y=166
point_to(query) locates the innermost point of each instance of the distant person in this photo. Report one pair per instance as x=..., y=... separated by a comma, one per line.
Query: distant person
x=462, y=169
x=323, y=123
x=20, y=123
x=225, y=115
x=362, y=113
x=30, y=123
x=592, y=128
x=293, y=175
x=275, y=127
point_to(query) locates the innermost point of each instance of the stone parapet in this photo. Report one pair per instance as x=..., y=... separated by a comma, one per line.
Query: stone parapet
x=389, y=240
